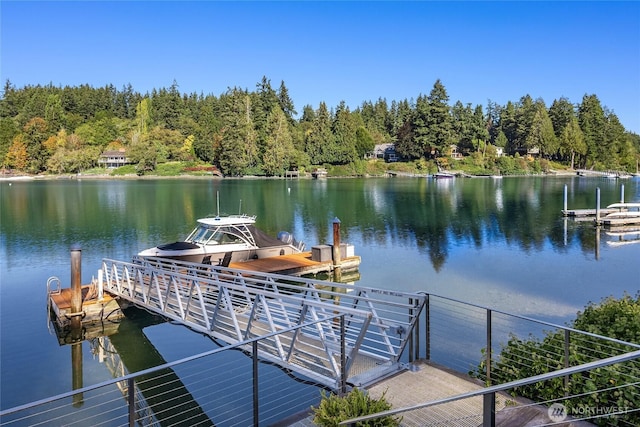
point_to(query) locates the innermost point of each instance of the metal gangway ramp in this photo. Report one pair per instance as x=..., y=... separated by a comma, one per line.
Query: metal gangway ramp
x=235, y=305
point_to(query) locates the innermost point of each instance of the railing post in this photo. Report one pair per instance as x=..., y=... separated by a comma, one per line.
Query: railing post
x=489, y=410
x=427, y=328
x=131, y=401
x=488, y=355
x=566, y=361
x=343, y=358
x=597, y=205
x=412, y=334
x=256, y=412
x=417, y=337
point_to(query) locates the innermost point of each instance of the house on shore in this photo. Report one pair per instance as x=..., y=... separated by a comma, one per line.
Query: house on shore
x=383, y=151
x=113, y=159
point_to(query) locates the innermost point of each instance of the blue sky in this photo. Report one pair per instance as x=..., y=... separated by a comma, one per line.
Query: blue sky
x=335, y=51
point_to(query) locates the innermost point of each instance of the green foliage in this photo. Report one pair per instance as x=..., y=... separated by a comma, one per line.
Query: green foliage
x=169, y=169
x=124, y=170
x=241, y=132
x=334, y=409
x=614, y=318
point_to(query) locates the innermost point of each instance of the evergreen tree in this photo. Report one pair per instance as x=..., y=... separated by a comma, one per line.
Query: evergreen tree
x=541, y=134
x=279, y=150
x=237, y=150
x=524, y=113
x=593, y=125
x=319, y=139
x=286, y=103
x=264, y=102
x=432, y=123
x=508, y=126
x=344, y=131
x=572, y=141
x=561, y=112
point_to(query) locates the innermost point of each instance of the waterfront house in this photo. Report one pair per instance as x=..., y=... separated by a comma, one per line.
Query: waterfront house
x=114, y=159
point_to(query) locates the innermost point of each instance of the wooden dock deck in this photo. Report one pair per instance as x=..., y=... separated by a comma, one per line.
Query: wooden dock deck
x=429, y=382
x=295, y=264
x=97, y=319
x=586, y=212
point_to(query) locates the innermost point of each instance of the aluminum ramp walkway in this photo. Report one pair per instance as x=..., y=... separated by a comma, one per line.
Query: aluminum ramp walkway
x=235, y=305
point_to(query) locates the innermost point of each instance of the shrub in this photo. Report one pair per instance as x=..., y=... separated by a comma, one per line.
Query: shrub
x=613, y=318
x=334, y=409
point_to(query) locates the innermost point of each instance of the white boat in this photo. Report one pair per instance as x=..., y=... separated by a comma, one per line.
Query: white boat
x=443, y=175
x=625, y=210
x=220, y=240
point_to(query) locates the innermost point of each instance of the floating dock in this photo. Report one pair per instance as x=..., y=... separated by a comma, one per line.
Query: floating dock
x=80, y=311
x=93, y=309
x=614, y=215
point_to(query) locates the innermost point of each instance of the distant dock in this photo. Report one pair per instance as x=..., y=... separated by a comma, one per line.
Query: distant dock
x=614, y=215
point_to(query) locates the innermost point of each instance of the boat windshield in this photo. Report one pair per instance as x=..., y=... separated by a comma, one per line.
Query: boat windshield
x=214, y=236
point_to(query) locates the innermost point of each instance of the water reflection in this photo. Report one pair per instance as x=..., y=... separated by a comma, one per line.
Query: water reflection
x=497, y=243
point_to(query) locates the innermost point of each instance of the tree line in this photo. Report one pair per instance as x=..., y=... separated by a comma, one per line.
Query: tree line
x=65, y=129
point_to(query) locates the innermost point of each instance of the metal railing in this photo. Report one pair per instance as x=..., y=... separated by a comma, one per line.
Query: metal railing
x=489, y=393
x=562, y=362
x=222, y=387
x=234, y=305
x=406, y=327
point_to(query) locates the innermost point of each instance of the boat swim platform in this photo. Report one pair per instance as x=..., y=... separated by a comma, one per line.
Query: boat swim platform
x=299, y=264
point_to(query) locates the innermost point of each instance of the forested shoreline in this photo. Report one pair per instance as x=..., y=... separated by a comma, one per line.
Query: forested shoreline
x=49, y=129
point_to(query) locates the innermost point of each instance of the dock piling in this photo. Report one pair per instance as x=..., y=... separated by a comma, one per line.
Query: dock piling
x=565, y=199
x=622, y=193
x=76, y=286
x=597, y=204
x=336, y=242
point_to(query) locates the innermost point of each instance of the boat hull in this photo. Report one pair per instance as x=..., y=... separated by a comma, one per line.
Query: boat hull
x=218, y=257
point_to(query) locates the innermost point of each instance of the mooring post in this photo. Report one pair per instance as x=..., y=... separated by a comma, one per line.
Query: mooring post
x=336, y=241
x=597, y=205
x=622, y=193
x=565, y=199
x=76, y=373
x=76, y=286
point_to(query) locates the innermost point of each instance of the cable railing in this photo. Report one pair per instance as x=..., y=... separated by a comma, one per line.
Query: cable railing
x=227, y=386
x=556, y=414
x=575, y=373
x=529, y=364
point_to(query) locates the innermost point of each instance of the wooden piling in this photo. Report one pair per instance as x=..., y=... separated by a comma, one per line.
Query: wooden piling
x=597, y=204
x=76, y=287
x=336, y=241
x=76, y=373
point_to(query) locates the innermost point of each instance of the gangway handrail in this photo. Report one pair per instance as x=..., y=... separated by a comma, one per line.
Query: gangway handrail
x=504, y=386
x=230, y=285
x=209, y=301
x=268, y=276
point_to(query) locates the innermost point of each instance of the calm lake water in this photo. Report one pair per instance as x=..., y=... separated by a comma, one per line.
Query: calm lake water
x=501, y=243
